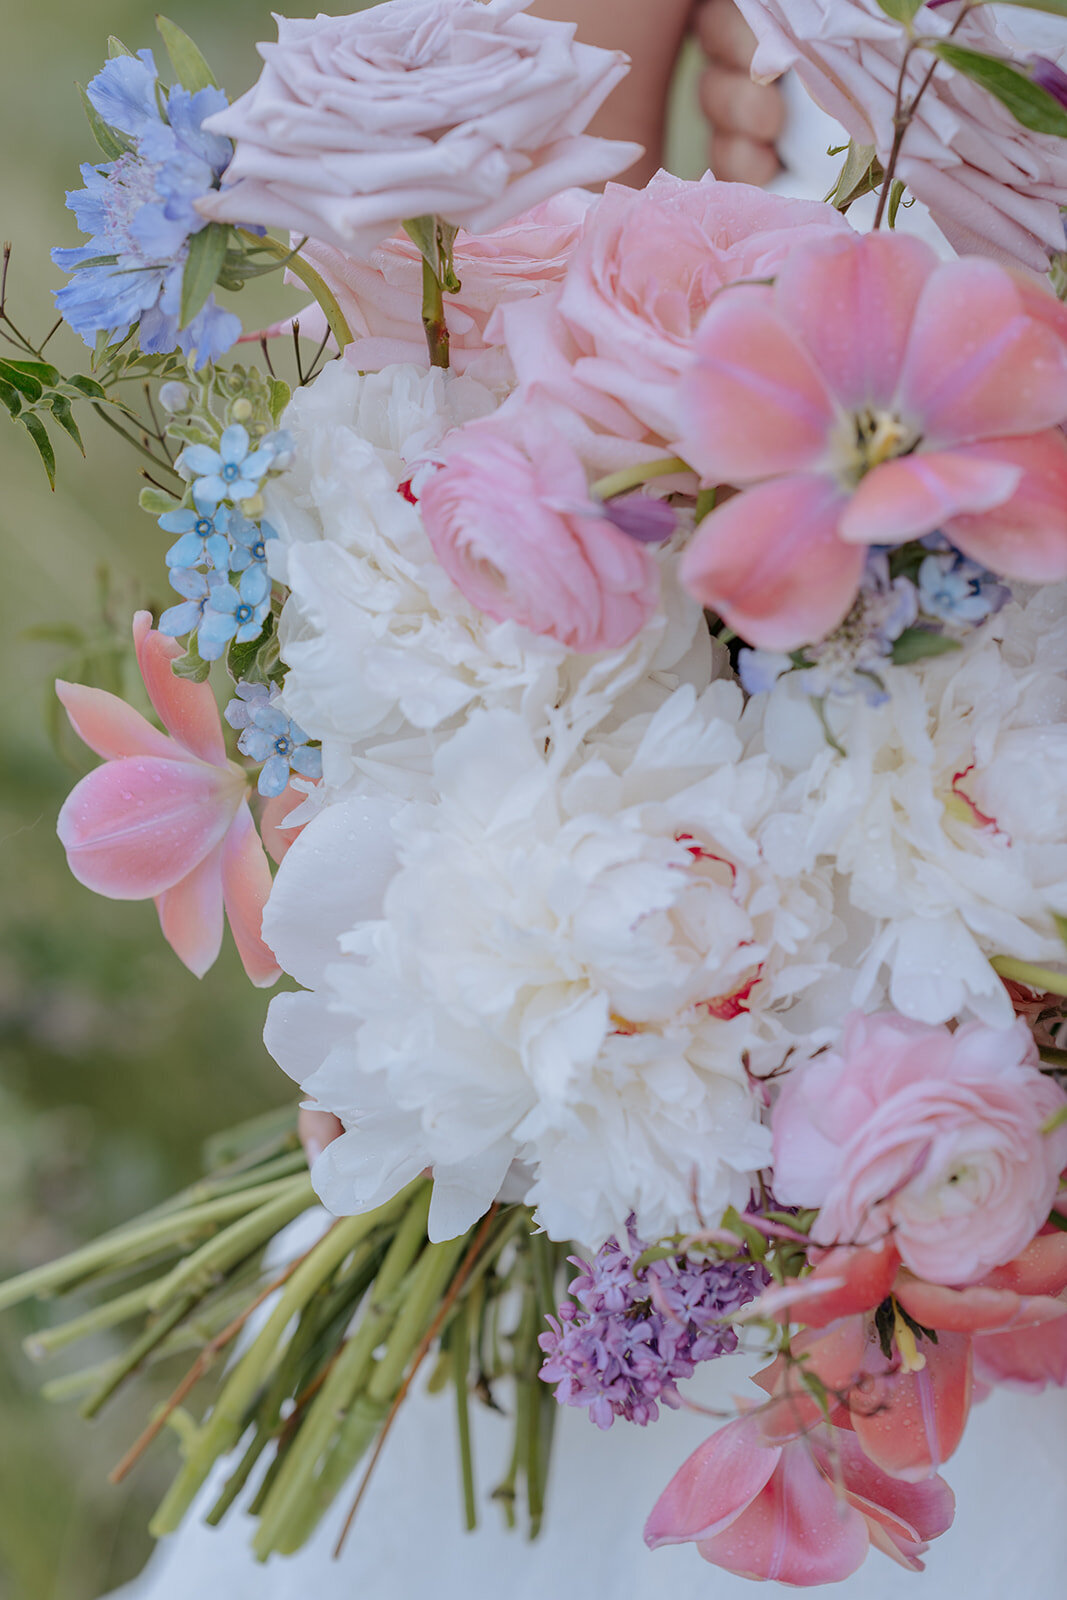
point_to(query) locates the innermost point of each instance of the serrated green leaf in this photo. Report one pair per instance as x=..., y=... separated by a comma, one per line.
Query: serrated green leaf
x=279, y=397
x=157, y=502
x=916, y=644
x=190, y=68
x=39, y=434
x=110, y=140
x=207, y=251
x=901, y=10
x=61, y=410
x=1028, y=103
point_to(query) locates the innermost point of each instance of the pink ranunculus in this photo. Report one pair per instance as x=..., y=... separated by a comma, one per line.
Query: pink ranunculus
x=871, y=396
x=166, y=816
x=512, y=522
x=801, y=1506
x=930, y=1138
x=465, y=109
x=381, y=297
x=992, y=186
x=611, y=343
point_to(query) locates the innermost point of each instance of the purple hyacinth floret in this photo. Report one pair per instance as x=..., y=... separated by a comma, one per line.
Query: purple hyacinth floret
x=621, y=1344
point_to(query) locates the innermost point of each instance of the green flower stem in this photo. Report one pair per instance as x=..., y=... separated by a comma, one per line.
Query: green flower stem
x=433, y=317
x=223, y=1427
x=303, y=270
x=206, y=1266
x=138, y=1351
x=428, y=1283
x=1045, y=979
x=460, y=1355
x=59, y=1391
x=632, y=477
x=134, y=1242
x=113, y=1312
x=293, y=1487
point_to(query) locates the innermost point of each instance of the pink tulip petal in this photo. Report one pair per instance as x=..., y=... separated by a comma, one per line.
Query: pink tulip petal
x=910, y=1422
x=110, y=727
x=1039, y=1269
x=1025, y=536
x=977, y=1309
x=850, y=302
x=277, y=838
x=913, y=495
x=977, y=365
x=798, y=1530
x=771, y=564
x=865, y=1277
x=246, y=885
x=190, y=914
x=137, y=826
x=752, y=404
x=717, y=1483
x=1028, y=1358
x=922, y=1510
x=186, y=709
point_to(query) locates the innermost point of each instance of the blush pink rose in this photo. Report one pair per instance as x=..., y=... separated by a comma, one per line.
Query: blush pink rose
x=381, y=297
x=613, y=340
x=931, y=1137
x=511, y=520
x=466, y=109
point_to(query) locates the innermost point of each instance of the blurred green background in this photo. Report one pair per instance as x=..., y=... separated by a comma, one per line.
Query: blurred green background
x=115, y=1063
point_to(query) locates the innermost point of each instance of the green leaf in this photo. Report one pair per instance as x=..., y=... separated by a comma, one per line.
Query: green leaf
x=190, y=68
x=916, y=644
x=111, y=141
x=39, y=370
x=191, y=665
x=86, y=386
x=207, y=251
x=11, y=372
x=39, y=434
x=242, y=660
x=1028, y=103
x=115, y=47
x=61, y=410
x=10, y=397
x=279, y=397
x=156, y=502
x=901, y=10
x=861, y=173
x=896, y=194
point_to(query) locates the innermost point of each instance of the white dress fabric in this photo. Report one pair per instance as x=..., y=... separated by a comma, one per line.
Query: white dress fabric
x=1008, y=1542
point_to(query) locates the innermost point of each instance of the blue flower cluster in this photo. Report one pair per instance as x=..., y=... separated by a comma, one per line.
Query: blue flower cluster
x=140, y=214
x=268, y=735
x=216, y=540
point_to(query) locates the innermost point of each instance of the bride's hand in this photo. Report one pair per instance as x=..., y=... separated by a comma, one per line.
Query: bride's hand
x=746, y=118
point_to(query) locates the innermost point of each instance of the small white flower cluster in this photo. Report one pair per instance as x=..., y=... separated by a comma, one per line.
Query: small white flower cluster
x=558, y=916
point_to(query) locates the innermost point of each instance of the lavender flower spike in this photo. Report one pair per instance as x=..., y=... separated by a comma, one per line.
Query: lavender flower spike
x=633, y=1334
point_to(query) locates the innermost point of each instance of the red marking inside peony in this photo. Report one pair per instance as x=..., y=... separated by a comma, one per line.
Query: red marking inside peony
x=408, y=493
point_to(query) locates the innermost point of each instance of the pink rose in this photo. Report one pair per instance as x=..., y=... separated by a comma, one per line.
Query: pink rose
x=467, y=110
x=381, y=298
x=928, y=1136
x=512, y=522
x=993, y=187
x=613, y=340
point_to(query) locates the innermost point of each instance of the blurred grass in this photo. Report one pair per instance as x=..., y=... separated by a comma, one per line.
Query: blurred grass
x=115, y=1063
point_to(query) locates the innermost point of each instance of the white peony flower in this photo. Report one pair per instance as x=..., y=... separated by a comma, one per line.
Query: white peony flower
x=570, y=967
x=947, y=817
x=384, y=651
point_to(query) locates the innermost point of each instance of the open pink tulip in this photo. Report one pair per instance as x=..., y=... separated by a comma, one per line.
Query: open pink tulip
x=871, y=396
x=166, y=817
x=802, y=1510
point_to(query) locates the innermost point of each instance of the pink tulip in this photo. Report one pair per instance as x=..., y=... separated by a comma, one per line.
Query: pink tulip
x=166, y=817
x=871, y=396
x=803, y=1509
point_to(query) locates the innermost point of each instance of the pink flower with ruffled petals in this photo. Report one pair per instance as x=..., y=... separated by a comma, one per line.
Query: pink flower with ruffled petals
x=166, y=817
x=512, y=522
x=930, y=1139
x=798, y=1504
x=871, y=396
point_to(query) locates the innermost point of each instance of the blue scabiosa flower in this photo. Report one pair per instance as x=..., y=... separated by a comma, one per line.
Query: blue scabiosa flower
x=197, y=587
x=232, y=472
x=139, y=211
x=204, y=538
x=234, y=613
x=268, y=735
x=249, y=541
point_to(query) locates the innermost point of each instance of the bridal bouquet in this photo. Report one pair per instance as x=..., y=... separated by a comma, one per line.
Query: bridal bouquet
x=641, y=628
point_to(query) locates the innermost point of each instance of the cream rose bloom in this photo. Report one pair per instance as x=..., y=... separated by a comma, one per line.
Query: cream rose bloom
x=456, y=107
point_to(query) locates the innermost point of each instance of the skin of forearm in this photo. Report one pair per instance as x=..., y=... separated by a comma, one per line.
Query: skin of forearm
x=651, y=33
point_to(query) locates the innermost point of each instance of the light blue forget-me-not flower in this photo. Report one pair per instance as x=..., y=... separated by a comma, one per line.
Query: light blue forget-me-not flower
x=204, y=538
x=234, y=612
x=232, y=472
x=268, y=735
